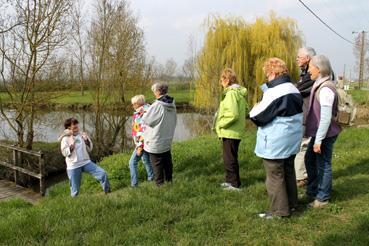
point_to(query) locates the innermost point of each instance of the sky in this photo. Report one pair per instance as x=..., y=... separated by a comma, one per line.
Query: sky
x=170, y=24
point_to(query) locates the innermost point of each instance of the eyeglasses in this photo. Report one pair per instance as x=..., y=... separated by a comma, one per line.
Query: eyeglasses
x=301, y=57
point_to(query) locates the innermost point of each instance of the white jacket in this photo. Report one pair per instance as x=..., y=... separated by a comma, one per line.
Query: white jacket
x=71, y=156
x=160, y=121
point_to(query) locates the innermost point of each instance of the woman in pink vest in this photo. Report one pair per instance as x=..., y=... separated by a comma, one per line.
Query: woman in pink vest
x=323, y=129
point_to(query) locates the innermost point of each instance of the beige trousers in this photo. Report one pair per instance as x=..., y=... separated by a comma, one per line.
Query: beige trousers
x=300, y=168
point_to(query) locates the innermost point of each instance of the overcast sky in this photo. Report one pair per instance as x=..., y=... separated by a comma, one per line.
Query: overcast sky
x=168, y=24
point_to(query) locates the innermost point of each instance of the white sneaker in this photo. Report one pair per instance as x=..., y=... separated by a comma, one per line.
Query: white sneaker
x=317, y=204
x=225, y=185
x=268, y=216
x=231, y=188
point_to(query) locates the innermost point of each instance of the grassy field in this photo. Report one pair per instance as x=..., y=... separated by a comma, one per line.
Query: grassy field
x=360, y=97
x=75, y=97
x=194, y=210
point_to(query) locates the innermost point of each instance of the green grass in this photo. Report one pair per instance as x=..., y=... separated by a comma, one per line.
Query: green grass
x=194, y=210
x=75, y=97
x=360, y=97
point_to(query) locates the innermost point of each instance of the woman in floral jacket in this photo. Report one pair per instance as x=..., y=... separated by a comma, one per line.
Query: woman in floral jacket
x=138, y=129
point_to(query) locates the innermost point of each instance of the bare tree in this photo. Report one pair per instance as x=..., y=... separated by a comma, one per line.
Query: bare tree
x=170, y=67
x=100, y=37
x=118, y=67
x=189, y=66
x=25, y=50
x=158, y=70
x=79, y=39
x=7, y=20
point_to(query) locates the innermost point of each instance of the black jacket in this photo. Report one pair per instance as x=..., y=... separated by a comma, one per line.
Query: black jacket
x=305, y=83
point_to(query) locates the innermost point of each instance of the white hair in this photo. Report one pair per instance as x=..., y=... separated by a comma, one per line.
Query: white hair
x=162, y=88
x=138, y=99
x=322, y=62
x=308, y=51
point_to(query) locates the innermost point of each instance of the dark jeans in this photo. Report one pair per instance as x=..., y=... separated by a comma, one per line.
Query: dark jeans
x=319, y=169
x=281, y=185
x=163, y=167
x=230, y=158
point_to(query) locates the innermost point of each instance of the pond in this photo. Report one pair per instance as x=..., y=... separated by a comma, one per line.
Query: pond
x=49, y=125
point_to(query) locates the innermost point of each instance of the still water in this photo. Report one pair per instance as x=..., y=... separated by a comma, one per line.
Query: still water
x=49, y=125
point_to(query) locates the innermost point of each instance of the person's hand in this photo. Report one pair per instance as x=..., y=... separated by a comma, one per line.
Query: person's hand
x=84, y=136
x=139, y=151
x=71, y=147
x=317, y=148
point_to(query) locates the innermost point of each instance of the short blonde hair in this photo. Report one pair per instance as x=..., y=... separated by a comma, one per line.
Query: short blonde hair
x=276, y=66
x=229, y=74
x=138, y=99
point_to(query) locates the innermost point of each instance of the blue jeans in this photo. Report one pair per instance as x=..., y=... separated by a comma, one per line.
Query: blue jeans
x=319, y=169
x=75, y=176
x=133, y=163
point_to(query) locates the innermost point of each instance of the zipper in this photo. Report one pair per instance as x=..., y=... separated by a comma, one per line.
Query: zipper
x=266, y=141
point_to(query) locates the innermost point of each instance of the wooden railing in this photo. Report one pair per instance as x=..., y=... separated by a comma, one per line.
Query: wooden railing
x=16, y=161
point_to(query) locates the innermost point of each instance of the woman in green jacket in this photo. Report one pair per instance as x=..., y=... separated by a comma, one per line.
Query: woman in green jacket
x=230, y=126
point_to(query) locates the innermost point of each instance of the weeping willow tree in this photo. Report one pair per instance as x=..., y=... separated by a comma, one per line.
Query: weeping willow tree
x=244, y=47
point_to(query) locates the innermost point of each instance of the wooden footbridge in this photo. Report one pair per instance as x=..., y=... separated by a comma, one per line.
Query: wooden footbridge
x=9, y=190
x=16, y=164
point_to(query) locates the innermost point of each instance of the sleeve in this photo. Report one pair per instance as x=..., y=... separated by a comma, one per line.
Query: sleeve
x=153, y=116
x=89, y=147
x=65, y=148
x=231, y=113
x=265, y=111
x=325, y=121
x=326, y=97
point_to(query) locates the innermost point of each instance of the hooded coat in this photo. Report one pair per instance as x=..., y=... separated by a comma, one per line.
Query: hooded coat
x=160, y=121
x=230, y=120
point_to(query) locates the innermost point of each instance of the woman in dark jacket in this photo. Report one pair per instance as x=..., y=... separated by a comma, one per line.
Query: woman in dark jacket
x=323, y=130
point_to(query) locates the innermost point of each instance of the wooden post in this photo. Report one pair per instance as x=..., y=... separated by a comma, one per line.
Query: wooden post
x=42, y=173
x=15, y=163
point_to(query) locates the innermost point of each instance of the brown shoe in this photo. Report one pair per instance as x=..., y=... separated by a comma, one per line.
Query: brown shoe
x=301, y=183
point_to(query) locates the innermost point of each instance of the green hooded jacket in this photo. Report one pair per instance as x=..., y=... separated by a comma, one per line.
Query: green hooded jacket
x=230, y=119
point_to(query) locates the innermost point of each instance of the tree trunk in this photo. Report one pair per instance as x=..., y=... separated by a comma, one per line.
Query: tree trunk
x=30, y=133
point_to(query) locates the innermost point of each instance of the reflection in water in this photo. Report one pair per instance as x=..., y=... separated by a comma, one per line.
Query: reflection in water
x=48, y=125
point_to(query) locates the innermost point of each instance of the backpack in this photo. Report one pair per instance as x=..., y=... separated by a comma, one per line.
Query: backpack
x=343, y=115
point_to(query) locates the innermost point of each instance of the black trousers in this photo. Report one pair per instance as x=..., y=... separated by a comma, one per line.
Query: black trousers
x=230, y=158
x=281, y=185
x=163, y=167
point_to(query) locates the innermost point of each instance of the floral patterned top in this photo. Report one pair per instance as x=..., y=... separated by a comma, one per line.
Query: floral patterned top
x=138, y=128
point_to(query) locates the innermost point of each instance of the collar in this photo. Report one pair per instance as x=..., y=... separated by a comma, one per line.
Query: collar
x=321, y=80
x=304, y=70
x=277, y=81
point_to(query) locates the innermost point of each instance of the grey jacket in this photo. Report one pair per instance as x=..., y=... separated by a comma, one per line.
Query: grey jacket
x=160, y=121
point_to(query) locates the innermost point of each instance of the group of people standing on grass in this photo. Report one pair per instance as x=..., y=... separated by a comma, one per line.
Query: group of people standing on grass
x=295, y=137
x=292, y=119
